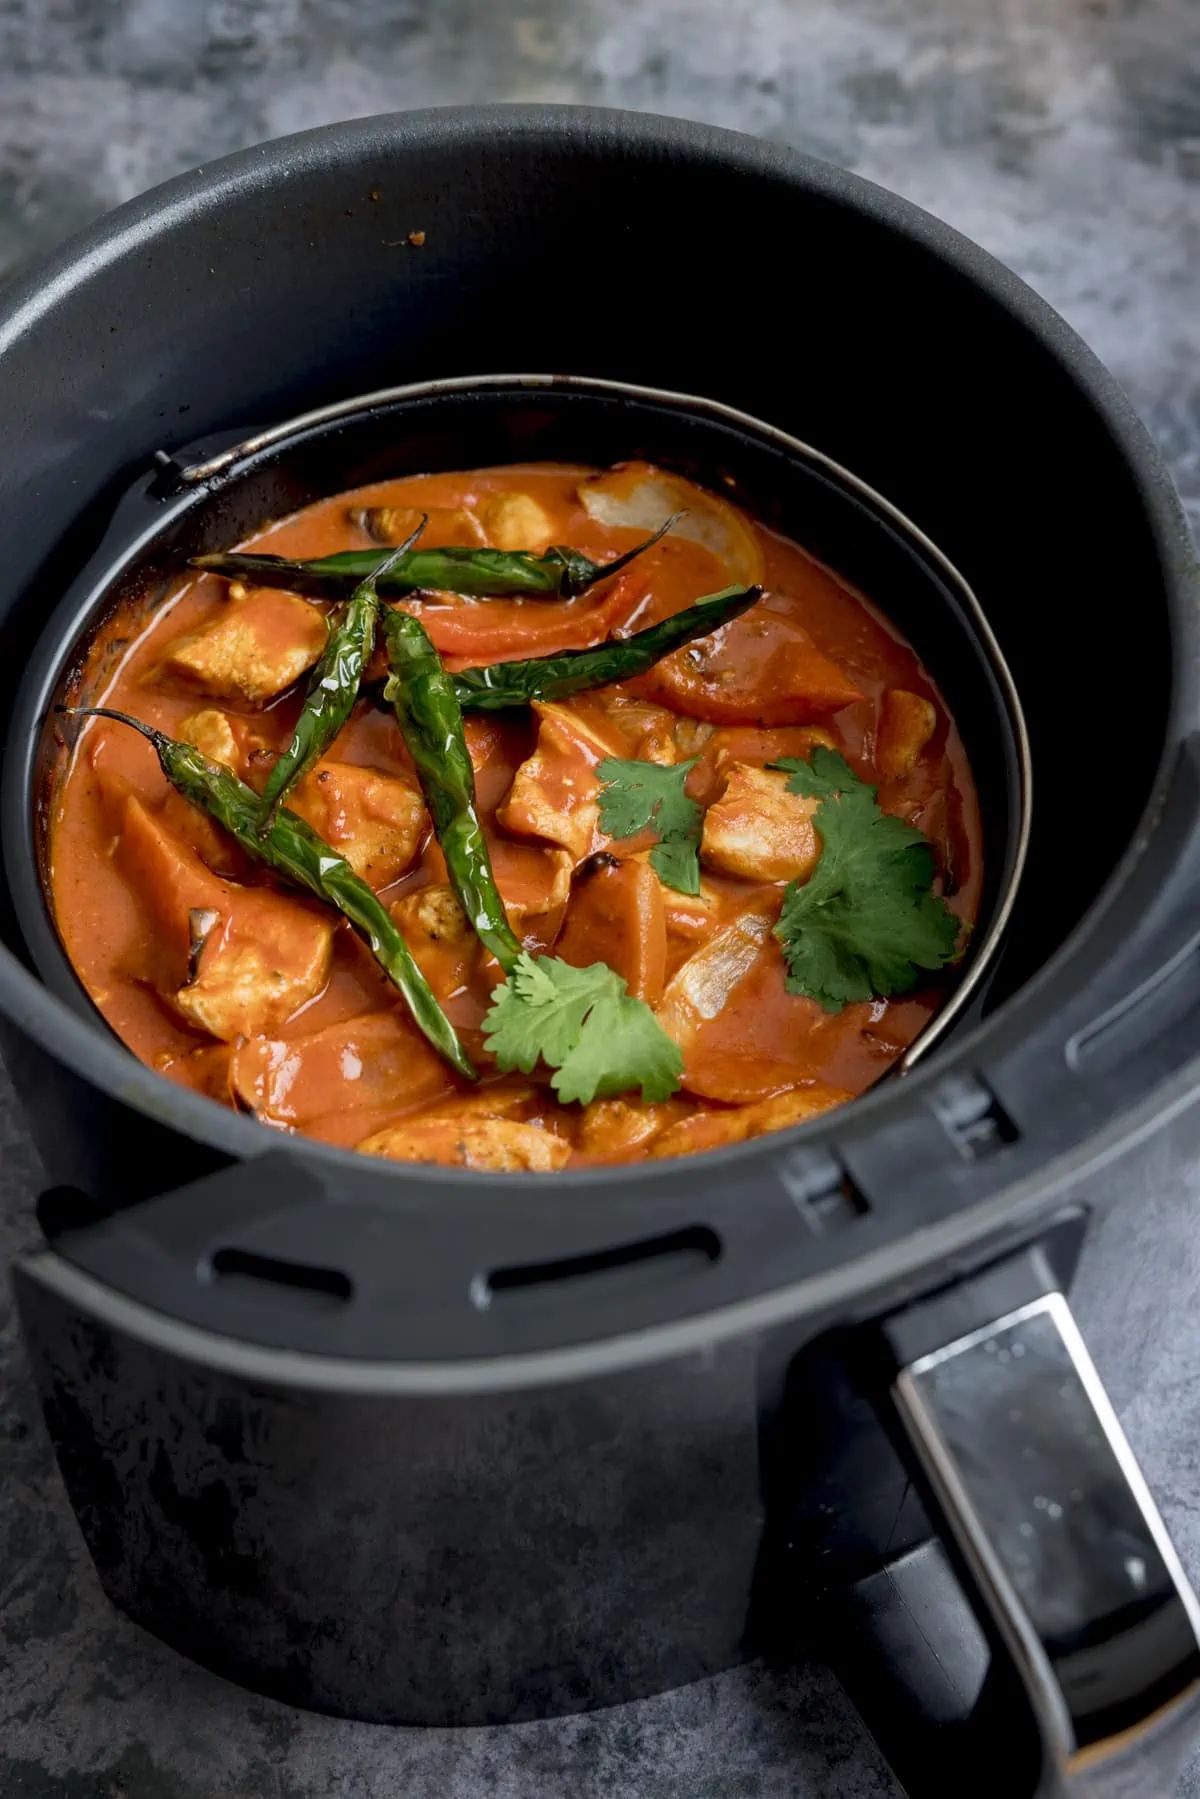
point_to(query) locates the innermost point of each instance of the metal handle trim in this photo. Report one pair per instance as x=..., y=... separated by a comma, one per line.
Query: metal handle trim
x=1081, y=1582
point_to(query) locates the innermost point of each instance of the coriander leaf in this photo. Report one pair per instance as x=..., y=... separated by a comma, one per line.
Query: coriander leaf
x=622, y=1045
x=828, y=776
x=677, y=863
x=583, y=1023
x=867, y=920
x=638, y=795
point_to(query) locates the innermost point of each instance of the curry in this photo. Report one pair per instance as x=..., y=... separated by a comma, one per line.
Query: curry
x=516, y=819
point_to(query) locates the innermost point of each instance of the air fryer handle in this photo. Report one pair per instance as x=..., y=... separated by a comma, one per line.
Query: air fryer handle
x=1055, y=1537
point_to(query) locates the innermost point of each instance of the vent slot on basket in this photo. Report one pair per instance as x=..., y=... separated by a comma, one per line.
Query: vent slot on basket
x=973, y=1118
x=822, y=1191
x=685, y=1251
x=328, y=1284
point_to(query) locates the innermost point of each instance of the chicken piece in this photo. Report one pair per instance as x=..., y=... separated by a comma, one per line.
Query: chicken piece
x=527, y=886
x=713, y=1130
x=212, y=734
x=445, y=525
x=613, y=1127
x=700, y=989
x=376, y=1061
x=906, y=724
x=243, y=987
x=691, y=735
x=515, y=521
x=759, y=745
x=758, y=830
x=640, y=497
x=658, y=745
x=498, y=1145
x=533, y=882
x=554, y=791
x=435, y=913
x=254, y=648
x=746, y=743
x=616, y=915
x=377, y=821
x=649, y=731
x=234, y=961
x=438, y=933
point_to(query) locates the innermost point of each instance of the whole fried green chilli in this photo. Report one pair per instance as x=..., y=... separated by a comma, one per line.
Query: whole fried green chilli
x=294, y=850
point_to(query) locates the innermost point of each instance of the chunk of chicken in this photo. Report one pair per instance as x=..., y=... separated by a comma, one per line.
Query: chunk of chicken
x=377, y=821
x=713, y=1130
x=554, y=791
x=254, y=648
x=658, y=745
x=906, y=724
x=758, y=830
x=532, y=882
x=438, y=932
x=515, y=521
x=691, y=735
x=501, y=1145
x=758, y=745
x=212, y=734
x=435, y=913
x=234, y=961
x=650, y=731
x=241, y=987
x=612, y=1127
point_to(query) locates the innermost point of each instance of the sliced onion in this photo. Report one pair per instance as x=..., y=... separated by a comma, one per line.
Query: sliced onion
x=700, y=989
x=640, y=497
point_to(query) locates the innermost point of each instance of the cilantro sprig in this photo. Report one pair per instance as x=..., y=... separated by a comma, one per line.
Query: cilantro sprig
x=638, y=795
x=866, y=922
x=584, y=1024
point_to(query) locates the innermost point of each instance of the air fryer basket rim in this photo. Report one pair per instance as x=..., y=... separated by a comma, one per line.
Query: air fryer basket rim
x=581, y=132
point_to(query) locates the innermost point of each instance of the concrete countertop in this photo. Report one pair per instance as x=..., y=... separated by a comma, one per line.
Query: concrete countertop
x=1062, y=134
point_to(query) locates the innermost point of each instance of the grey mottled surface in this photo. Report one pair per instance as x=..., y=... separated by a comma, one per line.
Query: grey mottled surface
x=1062, y=134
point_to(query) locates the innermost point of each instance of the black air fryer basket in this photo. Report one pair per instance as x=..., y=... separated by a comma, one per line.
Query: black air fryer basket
x=427, y=1446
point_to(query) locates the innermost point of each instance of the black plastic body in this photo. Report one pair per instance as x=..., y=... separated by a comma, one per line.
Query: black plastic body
x=226, y=1469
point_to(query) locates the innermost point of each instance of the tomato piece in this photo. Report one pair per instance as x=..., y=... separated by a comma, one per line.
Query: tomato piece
x=762, y=668
x=500, y=630
x=376, y=1060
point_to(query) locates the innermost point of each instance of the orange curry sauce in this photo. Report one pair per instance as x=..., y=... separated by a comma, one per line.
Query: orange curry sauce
x=284, y=1013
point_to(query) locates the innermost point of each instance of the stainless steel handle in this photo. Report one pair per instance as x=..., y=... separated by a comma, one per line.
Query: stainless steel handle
x=1070, y=1564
